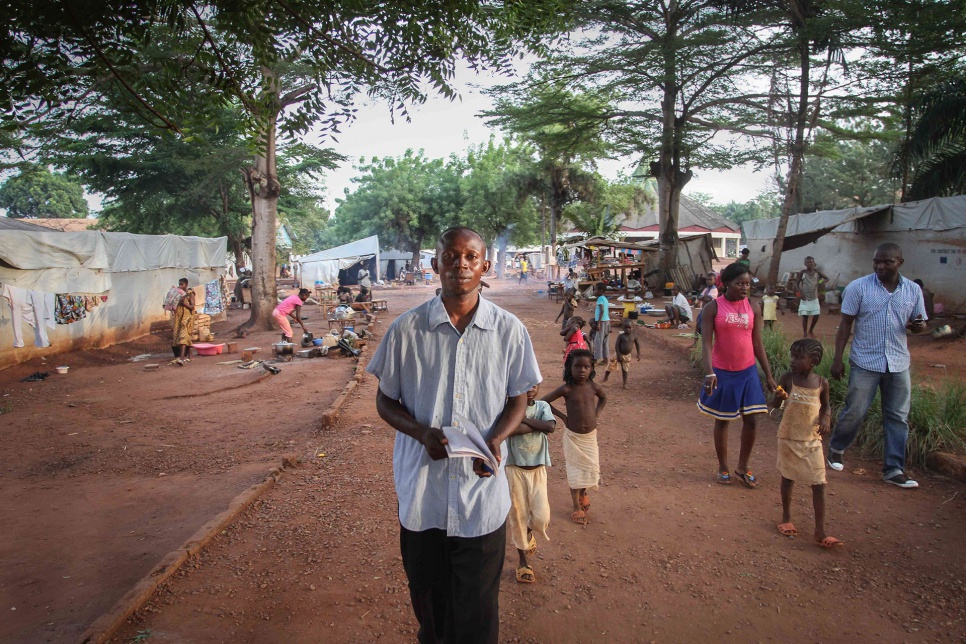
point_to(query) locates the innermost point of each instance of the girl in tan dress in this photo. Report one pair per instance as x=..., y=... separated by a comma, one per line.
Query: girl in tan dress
x=806, y=419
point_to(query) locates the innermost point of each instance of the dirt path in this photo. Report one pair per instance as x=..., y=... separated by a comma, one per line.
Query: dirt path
x=109, y=468
x=669, y=555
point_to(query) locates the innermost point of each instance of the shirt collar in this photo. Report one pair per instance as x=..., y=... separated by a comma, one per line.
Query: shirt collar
x=899, y=282
x=484, y=318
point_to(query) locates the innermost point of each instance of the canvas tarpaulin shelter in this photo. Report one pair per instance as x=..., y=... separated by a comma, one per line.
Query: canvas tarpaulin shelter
x=132, y=271
x=931, y=232
x=325, y=265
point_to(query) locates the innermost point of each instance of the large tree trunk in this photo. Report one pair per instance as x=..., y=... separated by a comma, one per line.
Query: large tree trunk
x=667, y=170
x=796, y=162
x=263, y=187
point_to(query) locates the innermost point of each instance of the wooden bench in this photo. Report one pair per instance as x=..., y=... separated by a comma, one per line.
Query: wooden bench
x=380, y=305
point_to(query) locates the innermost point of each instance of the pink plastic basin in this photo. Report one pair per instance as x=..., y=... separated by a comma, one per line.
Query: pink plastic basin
x=208, y=349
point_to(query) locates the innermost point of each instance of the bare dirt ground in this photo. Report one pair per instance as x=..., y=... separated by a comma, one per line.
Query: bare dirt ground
x=107, y=469
x=669, y=556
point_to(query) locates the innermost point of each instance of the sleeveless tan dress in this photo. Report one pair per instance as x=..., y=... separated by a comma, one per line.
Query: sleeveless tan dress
x=800, y=455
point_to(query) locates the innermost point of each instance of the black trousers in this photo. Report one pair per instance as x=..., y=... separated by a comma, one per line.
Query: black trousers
x=454, y=584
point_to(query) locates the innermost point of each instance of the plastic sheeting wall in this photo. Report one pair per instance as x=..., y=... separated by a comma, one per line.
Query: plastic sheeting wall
x=936, y=257
x=133, y=309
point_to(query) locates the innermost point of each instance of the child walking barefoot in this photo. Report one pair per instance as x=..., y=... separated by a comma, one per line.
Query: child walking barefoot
x=806, y=419
x=626, y=340
x=528, y=457
x=580, y=436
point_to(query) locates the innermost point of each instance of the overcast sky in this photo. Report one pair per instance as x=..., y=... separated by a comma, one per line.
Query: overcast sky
x=442, y=127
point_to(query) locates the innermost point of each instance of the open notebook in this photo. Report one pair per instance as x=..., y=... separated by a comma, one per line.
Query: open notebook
x=467, y=441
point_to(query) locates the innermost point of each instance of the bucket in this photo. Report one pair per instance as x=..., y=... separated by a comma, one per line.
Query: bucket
x=317, y=342
x=62, y=370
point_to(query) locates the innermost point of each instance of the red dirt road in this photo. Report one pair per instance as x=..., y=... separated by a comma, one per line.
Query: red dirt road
x=109, y=468
x=669, y=556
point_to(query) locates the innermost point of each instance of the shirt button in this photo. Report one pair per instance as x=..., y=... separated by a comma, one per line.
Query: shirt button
x=452, y=478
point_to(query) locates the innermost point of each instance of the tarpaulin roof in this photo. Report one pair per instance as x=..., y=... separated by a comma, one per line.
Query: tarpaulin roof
x=361, y=248
x=82, y=262
x=936, y=214
x=324, y=265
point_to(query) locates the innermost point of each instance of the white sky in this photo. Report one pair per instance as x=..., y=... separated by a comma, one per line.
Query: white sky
x=441, y=127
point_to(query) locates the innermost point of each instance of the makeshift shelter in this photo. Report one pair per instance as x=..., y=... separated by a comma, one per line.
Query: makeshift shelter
x=392, y=262
x=324, y=266
x=123, y=277
x=695, y=254
x=932, y=234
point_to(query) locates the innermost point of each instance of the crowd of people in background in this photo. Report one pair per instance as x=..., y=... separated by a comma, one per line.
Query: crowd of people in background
x=456, y=514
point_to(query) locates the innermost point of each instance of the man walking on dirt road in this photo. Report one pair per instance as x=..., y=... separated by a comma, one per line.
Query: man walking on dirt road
x=461, y=363
x=881, y=306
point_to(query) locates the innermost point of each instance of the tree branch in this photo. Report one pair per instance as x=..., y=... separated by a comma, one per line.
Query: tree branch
x=100, y=54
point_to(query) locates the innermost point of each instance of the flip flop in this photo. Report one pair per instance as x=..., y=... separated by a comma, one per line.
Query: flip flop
x=578, y=517
x=584, y=501
x=830, y=542
x=531, y=545
x=525, y=575
x=748, y=479
x=787, y=530
x=724, y=478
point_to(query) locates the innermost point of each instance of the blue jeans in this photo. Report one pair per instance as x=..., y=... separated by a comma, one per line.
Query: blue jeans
x=896, y=393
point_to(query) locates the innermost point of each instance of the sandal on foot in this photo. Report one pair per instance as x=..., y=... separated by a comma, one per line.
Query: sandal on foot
x=531, y=545
x=748, y=479
x=724, y=478
x=525, y=575
x=830, y=542
x=787, y=529
x=578, y=517
x=584, y=501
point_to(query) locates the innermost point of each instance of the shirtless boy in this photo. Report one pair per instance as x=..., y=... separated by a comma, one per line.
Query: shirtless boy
x=585, y=400
x=626, y=340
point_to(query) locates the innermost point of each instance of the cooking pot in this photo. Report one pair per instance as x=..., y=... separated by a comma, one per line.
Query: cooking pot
x=306, y=339
x=284, y=348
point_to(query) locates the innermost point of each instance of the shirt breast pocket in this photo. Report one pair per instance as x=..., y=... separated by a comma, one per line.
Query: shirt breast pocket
x=904, y=311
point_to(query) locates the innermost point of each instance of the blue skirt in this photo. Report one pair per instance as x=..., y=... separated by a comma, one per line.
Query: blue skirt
x=738, y=393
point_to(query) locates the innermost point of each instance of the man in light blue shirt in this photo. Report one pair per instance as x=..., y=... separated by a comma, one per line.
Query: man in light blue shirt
x=456, y=361
x=881, y=306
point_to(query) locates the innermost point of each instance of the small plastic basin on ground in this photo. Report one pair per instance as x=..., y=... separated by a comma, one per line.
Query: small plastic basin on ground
x=208, y=349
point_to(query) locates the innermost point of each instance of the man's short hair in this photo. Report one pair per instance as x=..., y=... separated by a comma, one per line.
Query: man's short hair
x=183, y=280
x=449, y=232
x=889, y=247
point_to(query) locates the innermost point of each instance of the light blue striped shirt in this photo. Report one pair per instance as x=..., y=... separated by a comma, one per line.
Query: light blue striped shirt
x=879, y=343
x=444, y=379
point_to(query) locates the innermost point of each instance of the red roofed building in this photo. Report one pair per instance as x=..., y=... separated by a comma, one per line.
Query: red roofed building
x=693, y=218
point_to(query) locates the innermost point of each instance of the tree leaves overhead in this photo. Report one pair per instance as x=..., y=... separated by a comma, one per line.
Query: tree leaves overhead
x=160, y=53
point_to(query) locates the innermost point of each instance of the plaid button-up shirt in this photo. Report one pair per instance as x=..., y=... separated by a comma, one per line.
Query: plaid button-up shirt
x=446, y=379
x=879, y=343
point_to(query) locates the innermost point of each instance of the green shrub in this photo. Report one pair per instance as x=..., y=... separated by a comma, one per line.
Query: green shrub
x=937, y=418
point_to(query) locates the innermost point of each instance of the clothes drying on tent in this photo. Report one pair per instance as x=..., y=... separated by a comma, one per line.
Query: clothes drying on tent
x=71, y=308
x=214, y=298
x=36, y=308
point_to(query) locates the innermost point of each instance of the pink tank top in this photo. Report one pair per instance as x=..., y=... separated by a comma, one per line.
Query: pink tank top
x=733, y=350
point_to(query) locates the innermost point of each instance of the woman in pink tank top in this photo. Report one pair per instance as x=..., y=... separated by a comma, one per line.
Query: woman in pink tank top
x=731, y=335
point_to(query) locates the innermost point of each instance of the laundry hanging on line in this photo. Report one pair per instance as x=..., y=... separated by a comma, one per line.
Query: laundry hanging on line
x=36, y=308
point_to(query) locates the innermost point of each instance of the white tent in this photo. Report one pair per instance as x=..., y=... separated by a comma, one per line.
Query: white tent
x=932, y=234
x=133, y=272
x=325, y=265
